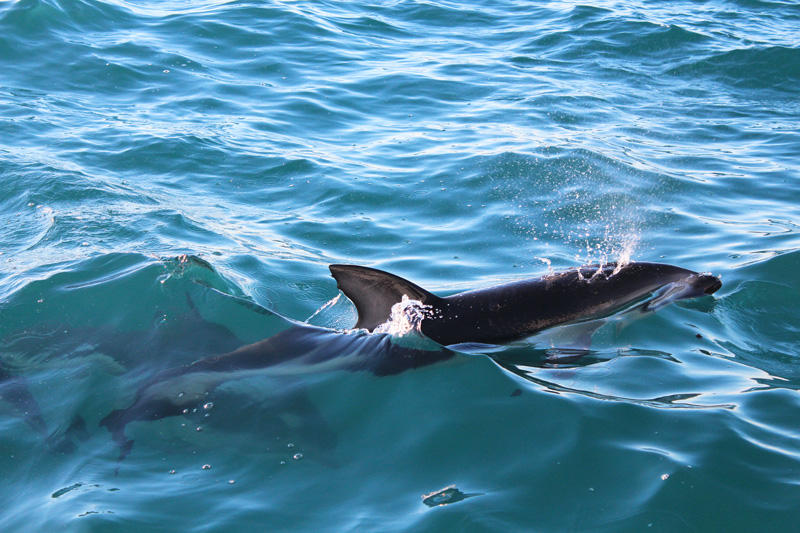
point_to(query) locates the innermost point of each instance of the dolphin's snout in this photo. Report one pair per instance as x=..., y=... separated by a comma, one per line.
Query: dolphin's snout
x=712, y=283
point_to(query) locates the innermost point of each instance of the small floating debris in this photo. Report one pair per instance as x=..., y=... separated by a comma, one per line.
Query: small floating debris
x=61, y=492
x=446, y=496
x=85, y=486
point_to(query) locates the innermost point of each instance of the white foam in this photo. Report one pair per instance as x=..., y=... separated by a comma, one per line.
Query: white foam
x=406, y=317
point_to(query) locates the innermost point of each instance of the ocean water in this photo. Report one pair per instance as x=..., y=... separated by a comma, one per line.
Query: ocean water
x=176, y=177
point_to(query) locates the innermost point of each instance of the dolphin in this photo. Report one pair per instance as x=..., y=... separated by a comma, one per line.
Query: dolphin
x=488, y=315
x=300, y=349
x=521, y=308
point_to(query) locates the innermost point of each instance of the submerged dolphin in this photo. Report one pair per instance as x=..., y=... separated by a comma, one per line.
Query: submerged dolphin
x=298, y=350
x=520, y=308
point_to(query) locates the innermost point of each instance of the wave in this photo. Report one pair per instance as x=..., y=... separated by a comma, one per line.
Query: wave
x=757, y=68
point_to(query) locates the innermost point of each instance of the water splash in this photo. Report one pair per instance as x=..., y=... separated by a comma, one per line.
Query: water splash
x=407, y=316
x=624, y=250
x=547, y=262
x=329, y=304
x=611, y=248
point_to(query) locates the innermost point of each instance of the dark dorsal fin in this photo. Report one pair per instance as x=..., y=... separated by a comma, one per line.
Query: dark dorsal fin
x=374, y=292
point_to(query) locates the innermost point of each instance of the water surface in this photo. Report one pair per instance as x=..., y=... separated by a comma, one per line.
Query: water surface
x=456, y=144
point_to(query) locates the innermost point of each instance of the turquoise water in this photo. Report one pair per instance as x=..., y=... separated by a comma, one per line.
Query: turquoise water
x=456, y=144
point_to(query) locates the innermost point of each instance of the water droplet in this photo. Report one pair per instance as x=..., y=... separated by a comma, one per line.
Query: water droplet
x=173, y=472
x=209, y=406
x=200, y=428
x=290, y=445
x=206, y=467
x=297, y=456
x=231, y=481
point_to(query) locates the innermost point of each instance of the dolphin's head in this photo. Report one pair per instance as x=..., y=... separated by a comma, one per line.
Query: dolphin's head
x=693, y=286
x=707, y=283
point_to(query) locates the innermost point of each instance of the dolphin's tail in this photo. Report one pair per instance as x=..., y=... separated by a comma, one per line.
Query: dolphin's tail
x=115, y=423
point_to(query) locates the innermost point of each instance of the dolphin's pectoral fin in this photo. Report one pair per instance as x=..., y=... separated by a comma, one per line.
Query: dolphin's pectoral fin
x=574, y=337
x=564, y=356
x=374, y=292
x=115, y=423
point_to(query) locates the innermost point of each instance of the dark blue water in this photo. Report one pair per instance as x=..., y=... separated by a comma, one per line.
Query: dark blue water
x=458, y=145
